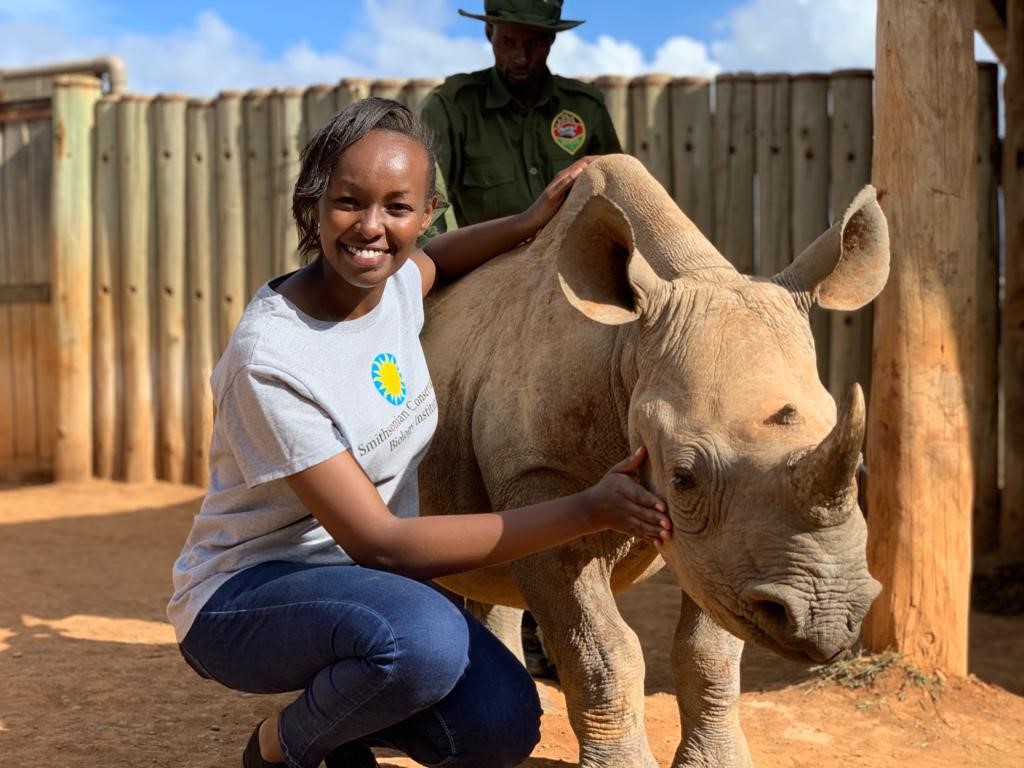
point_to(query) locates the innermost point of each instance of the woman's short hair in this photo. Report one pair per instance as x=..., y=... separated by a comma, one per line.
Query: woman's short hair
x=329, y=143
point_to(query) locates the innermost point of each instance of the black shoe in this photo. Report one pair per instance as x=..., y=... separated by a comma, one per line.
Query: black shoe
x=252, y=758
x=355, y=754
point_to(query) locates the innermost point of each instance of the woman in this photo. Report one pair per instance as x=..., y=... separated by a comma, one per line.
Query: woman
x=303, y=567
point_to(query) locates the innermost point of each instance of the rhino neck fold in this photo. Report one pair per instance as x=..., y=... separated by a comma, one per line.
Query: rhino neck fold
x=668, y=240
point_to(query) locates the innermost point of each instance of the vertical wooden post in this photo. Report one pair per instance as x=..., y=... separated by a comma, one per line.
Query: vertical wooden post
x=417, y=90
x=350, y=90
x=230, y=261
x=108, y=424
x=74, y=101
x=919, y=526
x=810, y=133
x=1011, y=535
x=169, y=143
x=387, y=88
x=850, y=332
x=775, y=244
x=985, y=427
x=318, y=106
x=7, y=361
x=733, y=169
x=690, y=102
x=16, y=221
x=650, y=125
x=134, y=186
x=200, y=220
x=259, y=199
x=285, y=132
x=615, y=89
x=41, y=170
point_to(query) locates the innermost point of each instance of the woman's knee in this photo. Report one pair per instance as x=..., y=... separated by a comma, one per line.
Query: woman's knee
x=432, y=651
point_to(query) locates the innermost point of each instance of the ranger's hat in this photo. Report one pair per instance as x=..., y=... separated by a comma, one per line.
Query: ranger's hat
x=546, y=14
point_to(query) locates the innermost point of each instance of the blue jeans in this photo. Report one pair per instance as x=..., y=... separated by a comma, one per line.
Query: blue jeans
x=379, y=658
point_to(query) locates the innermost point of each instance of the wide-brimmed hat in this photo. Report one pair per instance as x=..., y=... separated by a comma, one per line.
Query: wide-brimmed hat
x=546, y=14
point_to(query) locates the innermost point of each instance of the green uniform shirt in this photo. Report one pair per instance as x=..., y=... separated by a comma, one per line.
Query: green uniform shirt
x=497, y=156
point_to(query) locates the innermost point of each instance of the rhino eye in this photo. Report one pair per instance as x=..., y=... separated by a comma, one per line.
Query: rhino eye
x=786, y=416
x=684, y=480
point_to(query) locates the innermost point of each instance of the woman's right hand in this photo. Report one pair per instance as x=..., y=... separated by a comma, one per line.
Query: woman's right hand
x=618, y=501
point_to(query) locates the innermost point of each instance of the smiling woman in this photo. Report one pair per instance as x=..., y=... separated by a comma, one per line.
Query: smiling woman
x=324, y=409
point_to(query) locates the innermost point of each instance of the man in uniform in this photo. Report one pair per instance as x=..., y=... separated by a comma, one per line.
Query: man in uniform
x=501, y=134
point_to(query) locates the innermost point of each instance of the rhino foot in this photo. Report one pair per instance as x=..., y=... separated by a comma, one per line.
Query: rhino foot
x=617, y=755
x=716, y=748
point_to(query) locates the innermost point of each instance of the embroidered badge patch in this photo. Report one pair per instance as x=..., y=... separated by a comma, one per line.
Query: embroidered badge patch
x=388, y=379
x=568, y=131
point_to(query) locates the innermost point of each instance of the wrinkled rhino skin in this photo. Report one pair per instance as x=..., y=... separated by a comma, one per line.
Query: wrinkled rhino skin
x=621, y=325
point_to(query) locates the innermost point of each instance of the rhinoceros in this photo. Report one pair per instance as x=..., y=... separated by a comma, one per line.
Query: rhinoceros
x=621, y=325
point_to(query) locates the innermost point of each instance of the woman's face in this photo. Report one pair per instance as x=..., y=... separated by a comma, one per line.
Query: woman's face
x=374, y=209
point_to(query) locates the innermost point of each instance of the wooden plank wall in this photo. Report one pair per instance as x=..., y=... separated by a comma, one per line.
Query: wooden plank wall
x=192, y=215
x=27, y=362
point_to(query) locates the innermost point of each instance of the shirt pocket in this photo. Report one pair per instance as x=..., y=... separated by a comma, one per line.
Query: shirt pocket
x=489, y=190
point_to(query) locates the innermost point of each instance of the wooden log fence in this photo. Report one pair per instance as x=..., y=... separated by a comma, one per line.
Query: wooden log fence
x=189, y=212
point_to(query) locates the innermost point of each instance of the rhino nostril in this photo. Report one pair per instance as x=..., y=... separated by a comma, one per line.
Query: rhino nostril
x=774, y=608
x=773, y=614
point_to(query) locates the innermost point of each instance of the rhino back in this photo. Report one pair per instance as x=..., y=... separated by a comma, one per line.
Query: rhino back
x=524, y=382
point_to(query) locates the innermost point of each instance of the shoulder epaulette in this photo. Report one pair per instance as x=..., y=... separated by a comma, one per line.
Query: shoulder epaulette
x=455, y=83
x=577, y=86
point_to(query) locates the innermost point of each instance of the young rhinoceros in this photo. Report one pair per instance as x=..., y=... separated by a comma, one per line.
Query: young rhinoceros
x=621, y=325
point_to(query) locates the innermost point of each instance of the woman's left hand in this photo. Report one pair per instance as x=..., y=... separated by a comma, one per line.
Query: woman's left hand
x=551, y=199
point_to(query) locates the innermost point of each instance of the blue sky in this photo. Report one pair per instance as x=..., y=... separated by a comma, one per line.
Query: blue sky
x=199, y=47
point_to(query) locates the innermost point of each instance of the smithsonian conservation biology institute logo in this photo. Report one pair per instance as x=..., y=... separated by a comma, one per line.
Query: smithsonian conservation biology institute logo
x=387, y=378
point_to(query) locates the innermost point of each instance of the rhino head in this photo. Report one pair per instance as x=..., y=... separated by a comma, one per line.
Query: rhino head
x=755, y=461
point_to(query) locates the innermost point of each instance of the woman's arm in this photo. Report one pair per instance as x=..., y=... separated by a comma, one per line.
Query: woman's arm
x=456, y=253
x=347, y=504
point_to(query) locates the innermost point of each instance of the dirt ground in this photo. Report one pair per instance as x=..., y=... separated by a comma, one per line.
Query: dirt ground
x=90, y=675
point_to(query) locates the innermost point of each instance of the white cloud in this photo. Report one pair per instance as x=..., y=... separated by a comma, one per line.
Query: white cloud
x=409, y=38
x=797, y=36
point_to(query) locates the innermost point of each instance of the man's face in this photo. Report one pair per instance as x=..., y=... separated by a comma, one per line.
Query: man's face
x=520, y=52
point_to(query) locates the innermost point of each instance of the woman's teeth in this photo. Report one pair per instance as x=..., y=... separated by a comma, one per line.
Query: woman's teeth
x=366, y=256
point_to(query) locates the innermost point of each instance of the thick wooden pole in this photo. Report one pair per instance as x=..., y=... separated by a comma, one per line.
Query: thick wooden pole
x=615, y=89
x=169, y=167
x=774, y=166
x=108, y=421
x=135, y=189
x=74, y=101
x=258, y=190
x=285, y=135
x=200, y=185
x=985, y=429
x=690, y=101
x=921, y=487
x=230, y=261
x=417, y=90
x=1011, y=536
x=733, y=169
x=350, y=90
x=809, y=127
x=649, y=125
x=850, y=332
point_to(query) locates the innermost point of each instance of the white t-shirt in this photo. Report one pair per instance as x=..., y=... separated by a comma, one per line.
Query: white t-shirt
x=290, y=392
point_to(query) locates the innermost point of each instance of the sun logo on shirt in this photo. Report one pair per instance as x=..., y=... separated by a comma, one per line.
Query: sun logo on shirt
x=387, y=378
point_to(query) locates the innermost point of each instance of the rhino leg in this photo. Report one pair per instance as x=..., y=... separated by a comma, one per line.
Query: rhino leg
x=599, y=661
x=706, y=667
x=504, y=623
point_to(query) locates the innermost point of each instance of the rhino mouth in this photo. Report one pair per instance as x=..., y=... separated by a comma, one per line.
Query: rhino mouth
x=802, y=651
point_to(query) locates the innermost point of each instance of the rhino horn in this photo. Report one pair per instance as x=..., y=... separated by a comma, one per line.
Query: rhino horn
x=825, y=479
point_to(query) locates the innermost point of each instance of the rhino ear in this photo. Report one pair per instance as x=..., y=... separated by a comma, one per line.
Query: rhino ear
x=847, y=266
x=600, y=271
